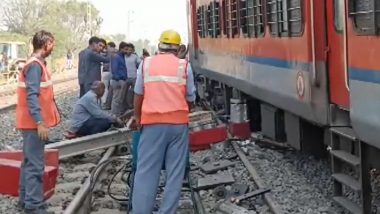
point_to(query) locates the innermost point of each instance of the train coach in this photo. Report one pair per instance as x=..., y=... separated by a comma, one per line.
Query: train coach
x=309, y=72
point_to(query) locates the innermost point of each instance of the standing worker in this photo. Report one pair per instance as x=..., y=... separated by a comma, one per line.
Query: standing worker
x=36, y=112
x=107, y=75
x=93, y=59
x=92, y=46
x=118, y=82
x=164, y=91
x=132, y=61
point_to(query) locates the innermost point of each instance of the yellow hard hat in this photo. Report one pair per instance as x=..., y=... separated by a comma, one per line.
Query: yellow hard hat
x=170, y=37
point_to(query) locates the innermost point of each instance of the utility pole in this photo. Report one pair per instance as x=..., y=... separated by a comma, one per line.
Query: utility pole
x=89, y=18
x=129, y=21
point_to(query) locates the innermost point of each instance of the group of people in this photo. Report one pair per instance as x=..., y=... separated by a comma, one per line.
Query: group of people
x=164, y=91
x=106, y=76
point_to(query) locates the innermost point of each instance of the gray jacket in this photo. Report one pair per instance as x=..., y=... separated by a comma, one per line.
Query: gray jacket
x=92, y=65
x=88, y=107
x=81, y=67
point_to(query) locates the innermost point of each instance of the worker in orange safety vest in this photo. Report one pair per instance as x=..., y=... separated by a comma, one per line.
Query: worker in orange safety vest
x=36, y=112
x=164, y=91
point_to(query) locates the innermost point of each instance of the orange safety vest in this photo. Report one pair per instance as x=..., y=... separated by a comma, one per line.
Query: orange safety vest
x=49, y=110
x=164, y=90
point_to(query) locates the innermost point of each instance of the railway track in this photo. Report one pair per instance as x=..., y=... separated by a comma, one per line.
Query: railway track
x=90, y=183
x=80, y=157
x=8, y=97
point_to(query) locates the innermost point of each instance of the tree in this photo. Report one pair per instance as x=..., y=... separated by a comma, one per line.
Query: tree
x=66, y=19
x=23, y=16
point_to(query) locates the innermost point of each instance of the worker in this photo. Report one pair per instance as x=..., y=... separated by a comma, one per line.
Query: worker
x=145, y=54
x=106, y=77
x=118, y=81
x=182, y=53
x=164, y=91
x=92, y=61
x=36, y=112
x=132, y=61
x=88, y=117
x=92, y=45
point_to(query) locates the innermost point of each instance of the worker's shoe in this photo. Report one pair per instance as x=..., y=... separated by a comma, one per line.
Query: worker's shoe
x=20, y=206
x=41, y=210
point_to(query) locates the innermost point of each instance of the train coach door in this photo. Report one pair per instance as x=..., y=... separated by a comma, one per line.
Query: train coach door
x=337, y=55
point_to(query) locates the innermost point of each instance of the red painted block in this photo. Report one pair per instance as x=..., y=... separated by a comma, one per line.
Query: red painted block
x=10, y=163
x=240, y=130
x=201, y=140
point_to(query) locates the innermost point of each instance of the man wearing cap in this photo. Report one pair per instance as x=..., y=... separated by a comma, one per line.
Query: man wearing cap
x=88, y=117
x=164, y=91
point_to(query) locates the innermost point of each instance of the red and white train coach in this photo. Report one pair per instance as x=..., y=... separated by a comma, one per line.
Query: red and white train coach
x=309, y=71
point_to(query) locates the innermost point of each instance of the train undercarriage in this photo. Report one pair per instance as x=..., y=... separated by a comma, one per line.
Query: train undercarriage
x=354, y=163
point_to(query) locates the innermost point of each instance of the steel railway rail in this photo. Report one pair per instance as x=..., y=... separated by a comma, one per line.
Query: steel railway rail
x=93, y=191
x=91, y=194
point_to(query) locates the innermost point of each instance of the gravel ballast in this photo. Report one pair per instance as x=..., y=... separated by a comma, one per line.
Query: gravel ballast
x=10, y=139
x=300, y=184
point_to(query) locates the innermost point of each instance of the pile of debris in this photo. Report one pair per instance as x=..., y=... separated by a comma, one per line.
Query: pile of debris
x=224, y=184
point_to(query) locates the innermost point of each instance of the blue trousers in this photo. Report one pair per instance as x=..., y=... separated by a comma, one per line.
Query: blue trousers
x=32, y=170
x=158, y=144
x=94, y=126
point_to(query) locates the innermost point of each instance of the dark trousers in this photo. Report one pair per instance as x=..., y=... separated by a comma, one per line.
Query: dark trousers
x=109, y=98
x=87, y=87
x=94, y=126
x=32, y=171
x=81, y=90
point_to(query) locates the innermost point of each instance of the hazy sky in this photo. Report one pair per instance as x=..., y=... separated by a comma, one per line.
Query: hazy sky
x=149, y=17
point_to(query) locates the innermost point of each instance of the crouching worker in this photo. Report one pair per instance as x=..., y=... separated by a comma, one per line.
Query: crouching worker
x=88, y=117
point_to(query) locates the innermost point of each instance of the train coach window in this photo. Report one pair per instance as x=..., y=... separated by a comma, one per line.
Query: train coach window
x=365, y=16
x=244, y=16
x=202, y=21
x=214, y=25
x=232, y=14
x=225, y=23
x=284, y=17
x=252, y=18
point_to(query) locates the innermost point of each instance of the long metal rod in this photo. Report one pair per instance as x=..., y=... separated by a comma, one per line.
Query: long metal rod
x=81, y=195
x=82, y=145
x=198, y=203
x=252, y=171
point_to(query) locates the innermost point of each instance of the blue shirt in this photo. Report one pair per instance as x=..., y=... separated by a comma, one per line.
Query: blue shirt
x=190, y=87
x=88, y=107
x=118, y=67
